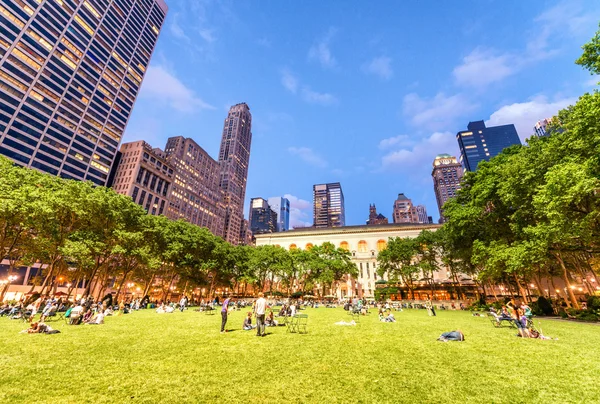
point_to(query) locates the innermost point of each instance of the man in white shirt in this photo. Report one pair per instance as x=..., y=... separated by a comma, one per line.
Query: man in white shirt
x=260, y=308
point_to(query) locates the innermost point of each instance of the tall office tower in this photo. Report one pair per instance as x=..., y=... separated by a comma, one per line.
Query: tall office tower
x=374, y=217
x=479, y=143
x=422, y=214
x=245, y=233
x=447, y=174
x=144, y=174
x=234, y=158
x=263, y=219
x=404, y=210
x=328, y=205
x=282, y=207
x=540, y=127
x=70, y=72
x=195, y=194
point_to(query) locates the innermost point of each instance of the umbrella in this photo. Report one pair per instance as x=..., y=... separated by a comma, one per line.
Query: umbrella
x=60, y=294
x=329, y=297
x=308, y=296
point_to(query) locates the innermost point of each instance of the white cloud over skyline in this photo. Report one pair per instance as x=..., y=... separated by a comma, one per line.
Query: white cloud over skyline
x=309, y=156
x=437, y=113
x=164, y=87
x=321, y=52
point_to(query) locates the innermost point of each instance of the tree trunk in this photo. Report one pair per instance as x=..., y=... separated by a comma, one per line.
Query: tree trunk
x=567, y=282
x=522, y=291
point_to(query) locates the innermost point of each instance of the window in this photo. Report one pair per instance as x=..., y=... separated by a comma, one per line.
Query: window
x=293, y=246
x=381, y=245
x=362, y=246
x=309, y=246
x=344, y=246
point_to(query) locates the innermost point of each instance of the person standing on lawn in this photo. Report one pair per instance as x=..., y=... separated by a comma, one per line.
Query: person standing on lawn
x=260, y=308
x=224, y=309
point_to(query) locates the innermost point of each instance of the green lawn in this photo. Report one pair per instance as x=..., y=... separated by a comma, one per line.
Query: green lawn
x=146, y=357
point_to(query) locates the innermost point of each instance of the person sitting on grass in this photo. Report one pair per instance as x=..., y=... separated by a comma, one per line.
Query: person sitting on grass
x=270, y=320
x=248, y=322
x=389, y=317
x=97, y=319
x=87, y=316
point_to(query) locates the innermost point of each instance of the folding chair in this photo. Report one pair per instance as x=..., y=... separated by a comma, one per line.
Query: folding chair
x=302, y=323
x=292, y=323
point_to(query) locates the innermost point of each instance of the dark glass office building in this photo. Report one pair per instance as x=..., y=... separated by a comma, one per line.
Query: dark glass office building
x=479, y=143
x=70, y=71
x=263, y=219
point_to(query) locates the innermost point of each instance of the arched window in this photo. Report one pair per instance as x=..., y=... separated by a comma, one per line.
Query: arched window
x=381, y=245
x=362, y=246
x=293, y=246
x=309, y=246
x=277, y=245
x=345, y=246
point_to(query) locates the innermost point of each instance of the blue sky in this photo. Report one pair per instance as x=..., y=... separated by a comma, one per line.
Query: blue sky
x=364, y=93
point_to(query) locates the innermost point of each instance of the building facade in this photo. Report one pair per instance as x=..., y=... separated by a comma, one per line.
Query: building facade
x=375, y=218
x=196, y=195
x=70, y=72
x=234, y=158
x=540, y=127
x=262, y=218
x=364, y=243
x=404, y=211
x=328, y=205
x=422, y=214
x=282, y=207
x=479, y=143
x=447, y=174
x=144, y=174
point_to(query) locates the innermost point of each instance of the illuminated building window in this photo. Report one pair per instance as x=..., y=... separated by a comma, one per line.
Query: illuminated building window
x=381, y=245
x=362, y=246
x=344, y=246
x=293, y=246
x=309, y=246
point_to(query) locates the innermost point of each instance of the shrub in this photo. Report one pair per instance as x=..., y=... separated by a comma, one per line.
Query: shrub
x=542, y=307
x=593, y=302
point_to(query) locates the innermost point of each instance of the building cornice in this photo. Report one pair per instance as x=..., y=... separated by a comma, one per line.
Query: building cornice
x=349, y=230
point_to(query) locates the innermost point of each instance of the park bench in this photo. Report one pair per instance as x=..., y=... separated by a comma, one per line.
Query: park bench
x=501, y=322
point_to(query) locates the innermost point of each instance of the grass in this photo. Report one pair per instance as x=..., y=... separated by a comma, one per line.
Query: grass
x=146, y=357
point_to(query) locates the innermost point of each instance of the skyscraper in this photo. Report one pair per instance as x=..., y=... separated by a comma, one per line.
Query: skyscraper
x=282, y=207
x=479, y=143
x=446, y=174
x=234, y=157
x=404, y=211
x=196, y=195
x=70, y=72
x=328, y=205
x=263, y=219
x=374, y=217
x=422, y=214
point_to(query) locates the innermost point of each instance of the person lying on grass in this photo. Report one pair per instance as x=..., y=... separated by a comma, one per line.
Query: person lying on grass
x=248, y=322
x=452, y=336
x=40, y=328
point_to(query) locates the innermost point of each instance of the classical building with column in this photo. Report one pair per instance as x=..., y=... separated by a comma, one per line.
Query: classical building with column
x=364, y=243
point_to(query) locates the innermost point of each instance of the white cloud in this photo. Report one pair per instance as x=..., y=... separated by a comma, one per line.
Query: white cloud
x=593, y=82
x=524, y=115
x=308, y=156
x=320, y=50
x=163, y=87
x=400, y=140
x=300, y=211
x=177, y=30
x=437, y=113
x=289, y=81
x=421, y=154
x=207, y=35
x=381, y=67
x=483, y=67
x=315, y=97
x=337, y=171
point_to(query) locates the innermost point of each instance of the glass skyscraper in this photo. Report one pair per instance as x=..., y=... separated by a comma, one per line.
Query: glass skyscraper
x=328, y=205
x=70, y=72
x=281, y=206
x=479, y=143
